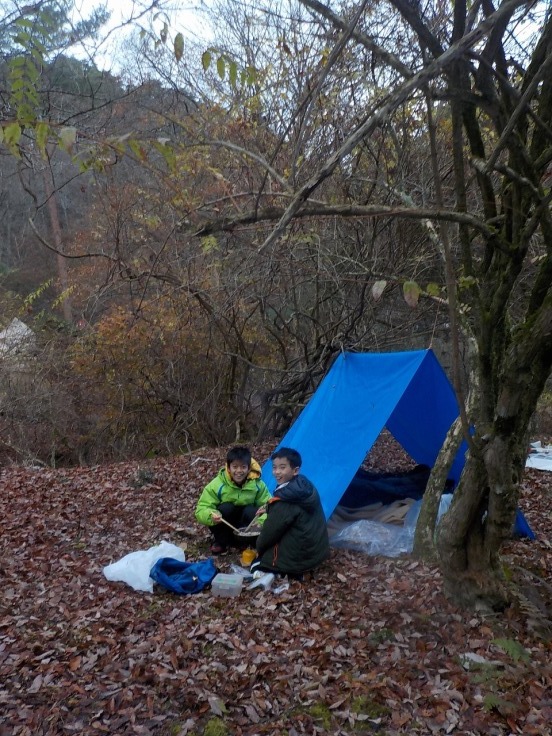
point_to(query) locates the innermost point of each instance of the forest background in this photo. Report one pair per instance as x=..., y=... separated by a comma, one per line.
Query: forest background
x=147, y=338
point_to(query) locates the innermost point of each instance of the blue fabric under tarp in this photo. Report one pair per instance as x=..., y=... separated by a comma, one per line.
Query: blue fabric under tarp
x=368, y=487
x=406, y=392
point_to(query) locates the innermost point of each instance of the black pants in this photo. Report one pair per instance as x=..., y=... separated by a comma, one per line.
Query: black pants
x=257, y=565
x=238, y=516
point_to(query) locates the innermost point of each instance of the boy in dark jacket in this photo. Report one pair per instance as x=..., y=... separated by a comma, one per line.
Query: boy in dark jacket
x=294, y=537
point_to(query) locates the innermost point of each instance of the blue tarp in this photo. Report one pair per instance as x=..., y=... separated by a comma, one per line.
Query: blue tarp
x=406, y=392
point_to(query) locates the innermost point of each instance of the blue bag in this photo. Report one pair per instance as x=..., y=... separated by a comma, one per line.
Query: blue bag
x=183, y=577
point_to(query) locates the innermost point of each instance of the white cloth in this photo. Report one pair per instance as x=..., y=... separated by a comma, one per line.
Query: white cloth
x=134, y=568
x=540, y=457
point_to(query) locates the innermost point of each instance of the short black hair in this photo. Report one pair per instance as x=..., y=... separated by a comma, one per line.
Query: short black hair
x=239, y=453
x=287, y=453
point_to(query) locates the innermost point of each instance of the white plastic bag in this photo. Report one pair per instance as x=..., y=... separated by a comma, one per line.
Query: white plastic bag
x=134, y=568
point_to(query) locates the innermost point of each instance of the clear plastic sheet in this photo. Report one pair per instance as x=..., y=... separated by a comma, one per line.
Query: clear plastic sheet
x=389, y=540
x=238, y=570
x=376, y=538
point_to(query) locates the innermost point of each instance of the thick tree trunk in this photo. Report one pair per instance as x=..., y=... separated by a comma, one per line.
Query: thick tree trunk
x=482, y=514
x=468, y=539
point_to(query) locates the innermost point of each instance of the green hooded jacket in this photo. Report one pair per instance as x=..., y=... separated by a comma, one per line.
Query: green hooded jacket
x=222, y=489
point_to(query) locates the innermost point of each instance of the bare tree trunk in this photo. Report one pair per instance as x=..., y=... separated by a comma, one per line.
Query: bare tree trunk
x=424, y=538
x=56, y=233
x=424, y=544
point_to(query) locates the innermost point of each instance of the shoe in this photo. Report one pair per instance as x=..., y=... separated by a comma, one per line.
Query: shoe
x=265, y=581
x=218, y=549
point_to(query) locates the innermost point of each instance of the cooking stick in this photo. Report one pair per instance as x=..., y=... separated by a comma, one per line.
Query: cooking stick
x=246, y=529
x=230, y=525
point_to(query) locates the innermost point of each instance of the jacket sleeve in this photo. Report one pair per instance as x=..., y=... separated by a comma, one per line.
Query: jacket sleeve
x=208, y=502
x=278, y=521
x=262, y=499
x=263, y=494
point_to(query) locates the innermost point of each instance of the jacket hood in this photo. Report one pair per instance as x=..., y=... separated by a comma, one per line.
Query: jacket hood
x=298, y=490
x=255, y=471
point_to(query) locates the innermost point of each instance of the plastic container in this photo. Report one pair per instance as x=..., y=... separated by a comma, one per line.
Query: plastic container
x=247, y=557
x=226, y=586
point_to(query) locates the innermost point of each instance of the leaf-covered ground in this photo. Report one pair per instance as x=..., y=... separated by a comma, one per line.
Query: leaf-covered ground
x=365, y=645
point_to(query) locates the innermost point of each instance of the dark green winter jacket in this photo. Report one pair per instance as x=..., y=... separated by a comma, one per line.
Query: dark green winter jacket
x=294, y=537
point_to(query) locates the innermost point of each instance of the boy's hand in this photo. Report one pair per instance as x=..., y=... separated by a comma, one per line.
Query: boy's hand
x=216, y=517
x=261, y=510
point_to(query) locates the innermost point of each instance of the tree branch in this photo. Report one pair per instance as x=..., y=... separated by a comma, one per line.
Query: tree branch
x=51, y=247
x=274, y=213
x=362, y=38
x=380, y=116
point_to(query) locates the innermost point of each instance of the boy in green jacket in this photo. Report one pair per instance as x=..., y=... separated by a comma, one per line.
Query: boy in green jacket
x=236, y=494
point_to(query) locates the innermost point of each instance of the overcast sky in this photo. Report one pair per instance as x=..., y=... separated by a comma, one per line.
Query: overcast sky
x=180, y=17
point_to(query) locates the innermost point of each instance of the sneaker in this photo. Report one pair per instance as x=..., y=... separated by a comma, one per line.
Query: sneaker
x=218, y=549
x=265, y=581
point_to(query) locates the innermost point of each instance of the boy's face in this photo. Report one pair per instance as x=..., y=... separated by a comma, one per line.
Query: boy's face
x=282, y=470
x=238, y=471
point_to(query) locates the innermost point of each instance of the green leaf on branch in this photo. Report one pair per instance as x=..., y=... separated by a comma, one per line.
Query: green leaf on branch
x=22, y=38
x=433, y=289
x=17, y=85
x=250, y=75
x=178, y=46
x=466, y=282
x=67, y=137
x=12, y=136
x=221, y=67
x=24, y=22
x=37, y=293
x=411, y=293
x=138, y=150
x=206, y=59
x=233, y=73
x=167, y=152
x=42, y=131
x=63, y=296
x=208, y=243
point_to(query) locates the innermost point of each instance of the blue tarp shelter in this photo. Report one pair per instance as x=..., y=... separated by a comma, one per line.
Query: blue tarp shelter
x=406, y=392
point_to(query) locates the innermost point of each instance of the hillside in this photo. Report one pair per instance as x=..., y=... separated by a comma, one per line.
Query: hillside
x=365, y=645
